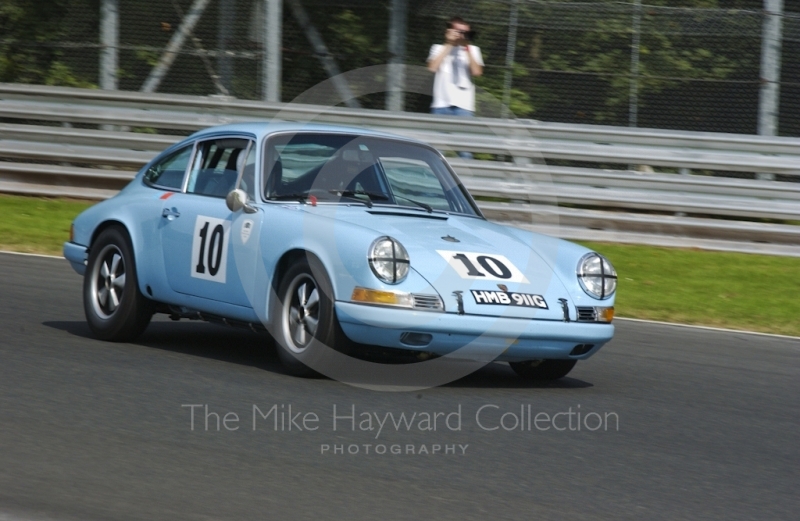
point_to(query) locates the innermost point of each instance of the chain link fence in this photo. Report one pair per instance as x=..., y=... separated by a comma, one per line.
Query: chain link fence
x=698, y=67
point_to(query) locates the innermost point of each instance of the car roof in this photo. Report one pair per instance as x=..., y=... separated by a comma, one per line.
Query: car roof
x=265, y=128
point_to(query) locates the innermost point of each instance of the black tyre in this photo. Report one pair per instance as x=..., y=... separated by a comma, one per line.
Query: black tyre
x=115, y=308
x=543, y=369
x=304, y=320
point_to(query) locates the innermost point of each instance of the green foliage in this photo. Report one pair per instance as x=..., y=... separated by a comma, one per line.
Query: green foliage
x=573, y=63
x=148, y=56
x=666, y=58
x=355, y=44
x=30, y=34
x=60, y=74
x=491, y=92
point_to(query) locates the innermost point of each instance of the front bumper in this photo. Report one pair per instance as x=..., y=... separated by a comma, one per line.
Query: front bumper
x=76, y=255
x=475, y=337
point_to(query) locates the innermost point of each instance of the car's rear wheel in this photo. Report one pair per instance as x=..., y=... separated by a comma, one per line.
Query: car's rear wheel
x=543, y=369
x=115, y=308
x=305, y=322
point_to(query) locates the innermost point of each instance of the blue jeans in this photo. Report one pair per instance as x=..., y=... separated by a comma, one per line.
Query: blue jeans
x=452, y=110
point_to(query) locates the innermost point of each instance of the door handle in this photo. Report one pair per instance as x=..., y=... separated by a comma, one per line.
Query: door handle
x=170, y=213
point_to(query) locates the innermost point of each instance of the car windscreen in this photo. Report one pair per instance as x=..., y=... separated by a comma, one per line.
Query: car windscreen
x=350, y=168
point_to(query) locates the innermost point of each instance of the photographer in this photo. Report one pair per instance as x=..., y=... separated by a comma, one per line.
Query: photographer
x=455, y=63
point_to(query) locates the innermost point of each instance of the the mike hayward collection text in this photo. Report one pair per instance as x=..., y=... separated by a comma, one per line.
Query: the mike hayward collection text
x=349, y=418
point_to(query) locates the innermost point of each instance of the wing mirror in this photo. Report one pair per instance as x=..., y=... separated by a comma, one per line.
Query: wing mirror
x=237, y=200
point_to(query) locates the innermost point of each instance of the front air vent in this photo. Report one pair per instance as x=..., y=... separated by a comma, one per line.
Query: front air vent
x=581, y=349
x=587, y=314
x=427, y=302
x=416, y=339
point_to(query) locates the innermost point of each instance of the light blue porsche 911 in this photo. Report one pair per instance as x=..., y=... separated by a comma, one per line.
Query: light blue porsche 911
x=333, y=237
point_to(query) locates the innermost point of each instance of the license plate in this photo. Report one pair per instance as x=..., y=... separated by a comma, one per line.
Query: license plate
x=509, y=298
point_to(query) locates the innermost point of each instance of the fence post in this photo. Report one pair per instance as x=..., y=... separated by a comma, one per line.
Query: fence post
x=511, y=47
x=770, y=68
x=109, y=44
x=273, y=28
x=768, y=103
x=227, y=15
x=396, y=79
x=633, y=101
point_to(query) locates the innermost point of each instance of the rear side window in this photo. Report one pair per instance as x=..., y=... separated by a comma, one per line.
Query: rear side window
x=216, y=166
x=169, y=172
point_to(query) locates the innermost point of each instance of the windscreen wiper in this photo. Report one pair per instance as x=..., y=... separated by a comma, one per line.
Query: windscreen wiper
x=426, y=207
x=289, y=197
x=351, y=194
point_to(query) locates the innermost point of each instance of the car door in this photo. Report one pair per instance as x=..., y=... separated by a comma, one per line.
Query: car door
x=197, y=226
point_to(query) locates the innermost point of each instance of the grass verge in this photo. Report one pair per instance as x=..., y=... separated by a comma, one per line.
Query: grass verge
x=731, y=290
x=36, y=225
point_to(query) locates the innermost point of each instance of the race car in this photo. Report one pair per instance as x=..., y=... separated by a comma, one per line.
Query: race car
x=332, y=237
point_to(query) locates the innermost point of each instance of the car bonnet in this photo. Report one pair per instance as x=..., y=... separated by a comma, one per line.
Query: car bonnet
x=480, y=259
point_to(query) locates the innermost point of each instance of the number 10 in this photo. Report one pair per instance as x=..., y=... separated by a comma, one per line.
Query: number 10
x=215, y=243
x=495, y=267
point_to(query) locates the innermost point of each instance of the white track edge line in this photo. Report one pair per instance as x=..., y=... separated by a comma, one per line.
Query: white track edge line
x=709, y=328
x=33, y=254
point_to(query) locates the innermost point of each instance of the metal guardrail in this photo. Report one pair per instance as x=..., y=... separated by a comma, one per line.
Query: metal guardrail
x=526, y=141
x=582, y=201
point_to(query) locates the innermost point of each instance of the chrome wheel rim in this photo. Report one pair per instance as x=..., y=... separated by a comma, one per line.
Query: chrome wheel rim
x=300, y=312
x=108, y=281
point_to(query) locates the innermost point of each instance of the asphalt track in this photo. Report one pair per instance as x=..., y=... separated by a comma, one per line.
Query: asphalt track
x=708, y=427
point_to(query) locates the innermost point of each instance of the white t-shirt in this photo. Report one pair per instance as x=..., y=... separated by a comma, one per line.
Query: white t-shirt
x=452, y=85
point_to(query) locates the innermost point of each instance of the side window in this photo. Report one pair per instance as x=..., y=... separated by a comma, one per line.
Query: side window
x=168, y=173
x=248, y=180
x=216, y=166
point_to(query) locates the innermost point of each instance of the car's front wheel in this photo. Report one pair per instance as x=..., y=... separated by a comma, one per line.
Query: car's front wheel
x=543, y=369
x=115, y=308
x=305, y=323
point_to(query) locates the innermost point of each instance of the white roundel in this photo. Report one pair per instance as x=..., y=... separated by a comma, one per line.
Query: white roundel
x=247, y=229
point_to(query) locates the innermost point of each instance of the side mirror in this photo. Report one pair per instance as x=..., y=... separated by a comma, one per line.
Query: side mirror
x=237, y=200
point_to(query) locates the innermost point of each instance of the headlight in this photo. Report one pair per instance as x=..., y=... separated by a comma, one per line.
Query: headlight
x=597, y=276
x=388, y=260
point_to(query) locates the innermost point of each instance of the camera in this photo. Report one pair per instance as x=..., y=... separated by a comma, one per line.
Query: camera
x=467, y=35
